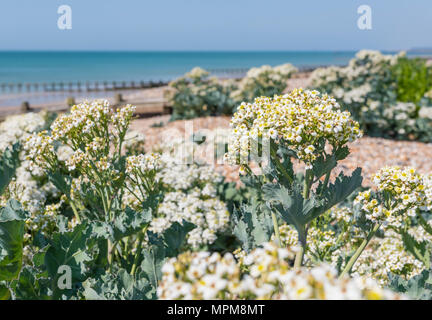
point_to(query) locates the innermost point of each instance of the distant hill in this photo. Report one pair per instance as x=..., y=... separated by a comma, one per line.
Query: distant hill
x=425, y=50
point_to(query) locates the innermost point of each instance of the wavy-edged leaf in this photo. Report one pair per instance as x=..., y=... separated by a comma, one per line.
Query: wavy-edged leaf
x=129, y=222
x=337, y=192
x=252, y=225
x=117, y=286
x=9, y=162
x=151, y=265
x=11, y=240
x=417, y=249
x=70, y=249
x=418, y=287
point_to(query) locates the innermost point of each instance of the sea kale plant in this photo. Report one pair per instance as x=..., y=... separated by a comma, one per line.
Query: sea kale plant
x=386, y=94
x=197, y=95
x=263, y=81
x=303, y=125
x=400, y=206
x=102, y=243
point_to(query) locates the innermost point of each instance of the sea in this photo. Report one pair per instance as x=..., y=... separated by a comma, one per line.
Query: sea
x=39, y=67
x=28, y=67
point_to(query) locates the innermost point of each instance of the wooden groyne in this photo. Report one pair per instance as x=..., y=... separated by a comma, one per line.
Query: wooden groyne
x=79, y=86
x=145, y=107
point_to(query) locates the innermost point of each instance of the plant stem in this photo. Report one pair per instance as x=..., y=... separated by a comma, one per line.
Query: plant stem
x=299, y=257
x=326, y=179
x=359, y=251
x=276, y=229
x=307, y=184
x=75, y=211
x=138, y=251
x=110, y=254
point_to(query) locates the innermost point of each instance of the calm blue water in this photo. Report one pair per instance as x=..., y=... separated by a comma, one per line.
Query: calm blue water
x=23, y=67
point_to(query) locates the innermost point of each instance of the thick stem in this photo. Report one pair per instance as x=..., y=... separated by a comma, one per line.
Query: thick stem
x=299, y=258
x=110, y=253
x=307, y=184
x=359, y=251
x=276, y=229
x=326, y=180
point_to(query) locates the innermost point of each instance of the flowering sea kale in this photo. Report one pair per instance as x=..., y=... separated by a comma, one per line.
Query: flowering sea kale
x=141, y=170
x=195, y=95
x=86, y=141
x=401, y=192
x=93, y=131
x=265, y=273
x=303, y=120
x=263, y=81
x=321, y=243
x=190, y=193
x=208, y=215
x=372, y=88
x=30, y=185
x=388, y=256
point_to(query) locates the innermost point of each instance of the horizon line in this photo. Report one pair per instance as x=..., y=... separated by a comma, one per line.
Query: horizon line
x=222, y=51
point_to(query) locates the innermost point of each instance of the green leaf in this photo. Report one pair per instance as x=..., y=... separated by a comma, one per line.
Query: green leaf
x=4, y=292
x=418, y=287
x=418, y=249
x=174, y=237
x=252, y=224
x=323, y=165
x=9, y=162
x=151, y=266
x=337, y=192
x=11, y=240
x=69, y=249
x=31, y=286
x=61, y=181
x=129, y=222
x=291, y=205
x=117, y=286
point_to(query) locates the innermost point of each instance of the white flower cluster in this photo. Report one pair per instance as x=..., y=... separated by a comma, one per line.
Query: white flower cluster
x=187, y=176
x=143, y=162
x=319, y=241
x=191, y=191
x=400, y=191
x=387, y=255
x=199, y=275
x=300, y=118
x=134, y=142
x=209, y=215
x=19, y=127
x=265, y=273
x=197, y=73
x=265, y=80
x=366, y=65
x=92, y=131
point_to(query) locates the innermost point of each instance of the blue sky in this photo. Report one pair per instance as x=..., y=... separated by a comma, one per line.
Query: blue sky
x=215, y=25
